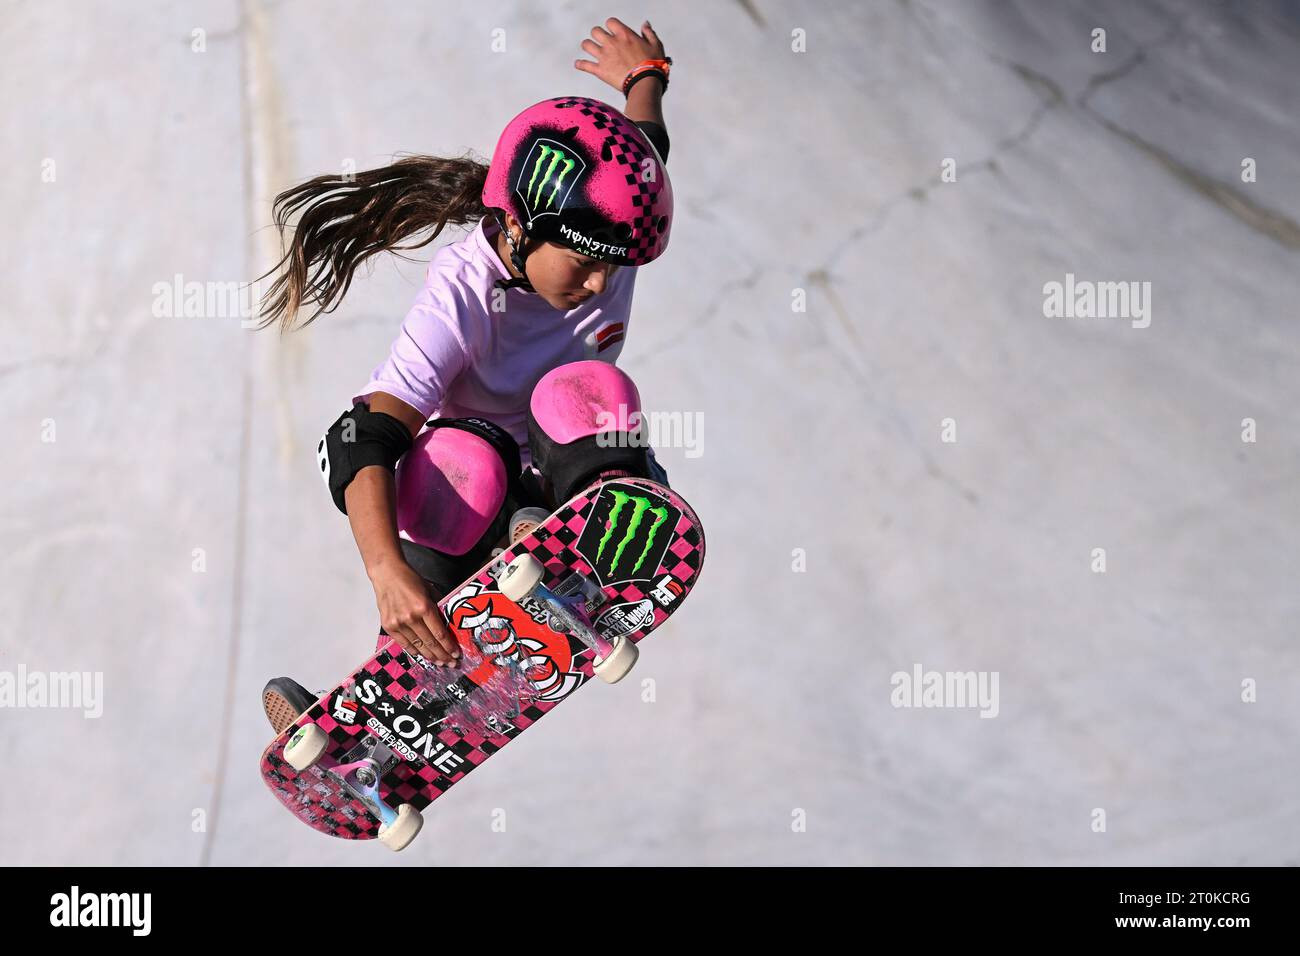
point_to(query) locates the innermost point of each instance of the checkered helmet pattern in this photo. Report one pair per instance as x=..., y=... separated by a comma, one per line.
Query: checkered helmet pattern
x=578, y=172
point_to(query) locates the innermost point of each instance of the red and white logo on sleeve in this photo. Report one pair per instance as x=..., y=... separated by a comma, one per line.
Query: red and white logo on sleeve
x=604, y=337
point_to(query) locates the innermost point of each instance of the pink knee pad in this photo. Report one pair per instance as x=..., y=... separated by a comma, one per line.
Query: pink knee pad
x=570, y=407
x=450, y=489
x=583, y=398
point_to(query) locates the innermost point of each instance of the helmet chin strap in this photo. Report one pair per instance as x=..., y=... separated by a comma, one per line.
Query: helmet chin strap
x=517, y=260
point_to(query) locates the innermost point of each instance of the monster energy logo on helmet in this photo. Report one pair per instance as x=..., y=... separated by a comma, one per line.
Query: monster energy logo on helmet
x=547, y=177
x=627, y=535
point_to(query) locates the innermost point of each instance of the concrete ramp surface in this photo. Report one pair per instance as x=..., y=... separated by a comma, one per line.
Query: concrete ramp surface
x=980, y=320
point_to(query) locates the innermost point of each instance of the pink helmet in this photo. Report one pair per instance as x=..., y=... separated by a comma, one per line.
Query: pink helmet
x=578, y=172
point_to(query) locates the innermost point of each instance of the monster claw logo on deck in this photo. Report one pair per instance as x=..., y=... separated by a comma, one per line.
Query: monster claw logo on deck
x=545, y=657
x=627, y=534
x=640, y=509
x=547, y=177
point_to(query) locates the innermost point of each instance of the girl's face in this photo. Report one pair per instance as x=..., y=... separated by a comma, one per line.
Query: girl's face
x=563, y=277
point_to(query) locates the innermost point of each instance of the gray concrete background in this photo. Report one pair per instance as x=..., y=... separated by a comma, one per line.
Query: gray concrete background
x=164, y=524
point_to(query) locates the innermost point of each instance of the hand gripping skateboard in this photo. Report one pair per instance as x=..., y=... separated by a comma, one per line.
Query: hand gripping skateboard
x=568, y=602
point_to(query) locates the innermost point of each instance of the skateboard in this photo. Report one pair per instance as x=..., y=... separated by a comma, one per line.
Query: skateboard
x=566, y=603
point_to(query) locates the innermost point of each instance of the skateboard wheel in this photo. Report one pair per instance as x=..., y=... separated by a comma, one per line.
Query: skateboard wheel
x=520, y=577
x=403, y=829
x=614, y=668
x=306, y=746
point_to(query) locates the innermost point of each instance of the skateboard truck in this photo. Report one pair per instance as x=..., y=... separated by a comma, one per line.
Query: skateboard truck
x=522, y=578
x=359, y=773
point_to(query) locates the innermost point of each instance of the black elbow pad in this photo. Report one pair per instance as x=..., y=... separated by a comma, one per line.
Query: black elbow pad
x=359, y=438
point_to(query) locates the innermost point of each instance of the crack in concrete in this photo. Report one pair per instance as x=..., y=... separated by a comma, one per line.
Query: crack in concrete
x=710, y=312
x=1266, y=221
x=1276, y=225
x=752, y=12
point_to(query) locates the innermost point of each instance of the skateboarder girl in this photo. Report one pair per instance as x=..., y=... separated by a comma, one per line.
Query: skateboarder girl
x=509, y=346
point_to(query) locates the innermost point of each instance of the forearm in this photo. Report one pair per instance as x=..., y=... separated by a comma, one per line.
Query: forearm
x=407, y=611
x=372, y=509
x=645, y=101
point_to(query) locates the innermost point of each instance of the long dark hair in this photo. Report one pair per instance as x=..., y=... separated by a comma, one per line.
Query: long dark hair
x=343, y=221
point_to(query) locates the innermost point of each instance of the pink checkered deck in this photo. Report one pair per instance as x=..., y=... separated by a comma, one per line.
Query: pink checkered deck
x=563, y=663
